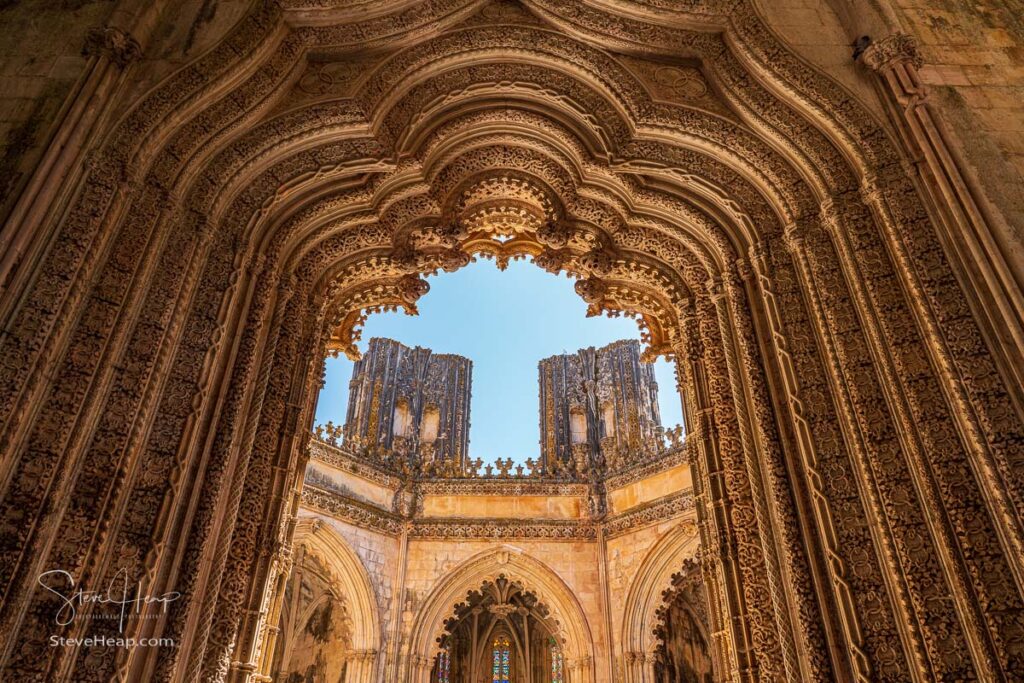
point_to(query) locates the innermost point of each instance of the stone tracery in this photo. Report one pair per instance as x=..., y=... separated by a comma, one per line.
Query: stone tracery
x=768, y=250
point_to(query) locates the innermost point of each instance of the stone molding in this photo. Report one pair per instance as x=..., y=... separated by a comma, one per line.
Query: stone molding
x=361, y=514
x=501, y=487
x=650, y=513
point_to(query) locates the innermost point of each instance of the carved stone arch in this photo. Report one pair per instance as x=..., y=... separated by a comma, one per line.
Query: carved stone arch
x=153, y=343
x=517, y=565
x=351, y=576
x=652, y=578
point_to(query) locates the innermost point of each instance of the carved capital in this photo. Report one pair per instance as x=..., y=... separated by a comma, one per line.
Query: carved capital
x=592, y=290
x=891, y=51
x=117, y=45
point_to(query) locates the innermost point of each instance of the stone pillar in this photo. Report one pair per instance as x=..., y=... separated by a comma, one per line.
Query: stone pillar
x=633, y=669
x=722, y=571
x=267, y=642
x=361, y=666
x=649, y=659
x=971, y=235
x=421, y=667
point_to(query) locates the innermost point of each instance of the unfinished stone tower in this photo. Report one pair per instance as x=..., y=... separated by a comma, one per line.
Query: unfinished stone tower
x=598, y=401
x=410, y=398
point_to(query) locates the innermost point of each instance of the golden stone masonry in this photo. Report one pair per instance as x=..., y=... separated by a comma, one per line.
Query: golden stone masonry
x=813, y=207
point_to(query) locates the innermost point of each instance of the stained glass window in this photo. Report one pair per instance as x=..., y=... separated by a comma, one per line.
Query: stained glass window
x=557, y=663
x=443, y=665
x=502, y=652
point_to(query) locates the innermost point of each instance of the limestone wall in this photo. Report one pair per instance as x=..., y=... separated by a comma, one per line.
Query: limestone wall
x=974, y=68
x=598, y=566
x=40, y=61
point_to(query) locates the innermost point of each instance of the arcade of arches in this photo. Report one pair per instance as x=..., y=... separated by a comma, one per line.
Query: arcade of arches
x=812, y=207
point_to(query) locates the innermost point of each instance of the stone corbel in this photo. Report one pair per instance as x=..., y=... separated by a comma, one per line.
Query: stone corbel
x=891, y=52
x=113, y=43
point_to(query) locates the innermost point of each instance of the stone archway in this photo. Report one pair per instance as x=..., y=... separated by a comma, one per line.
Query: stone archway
x=516, y=565
x=854, y=434
x=653, y=577
x=349, y=578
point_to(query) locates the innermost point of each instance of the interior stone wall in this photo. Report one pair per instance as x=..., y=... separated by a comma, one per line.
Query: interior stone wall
x=974, y=69
x=600, y=572
x=379, y=554
x=40, y=61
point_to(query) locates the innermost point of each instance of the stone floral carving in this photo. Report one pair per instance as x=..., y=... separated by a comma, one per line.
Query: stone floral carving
x=849, y=414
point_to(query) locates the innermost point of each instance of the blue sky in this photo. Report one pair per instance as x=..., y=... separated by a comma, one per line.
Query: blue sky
x=504, y=322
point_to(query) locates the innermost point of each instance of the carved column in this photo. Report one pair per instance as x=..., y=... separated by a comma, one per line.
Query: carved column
x=730, y=302
x=633, y=667
x=781, y=490
x=771, y=274
x=722, y=574
x=955, y=551
x=976, y=241
x=650, y=659
x=270, y=631
x=974, y=340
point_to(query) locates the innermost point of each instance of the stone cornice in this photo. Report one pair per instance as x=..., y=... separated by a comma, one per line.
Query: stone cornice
x=352, y=511
x=345, y=461
x=368, y=516
x=496, y=528
x=502, y=487
x=650, y=513
x=647, y=468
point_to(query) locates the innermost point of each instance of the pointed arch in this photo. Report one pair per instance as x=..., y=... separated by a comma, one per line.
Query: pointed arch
x=516, y=565
x=653, y=577
x=349, y=574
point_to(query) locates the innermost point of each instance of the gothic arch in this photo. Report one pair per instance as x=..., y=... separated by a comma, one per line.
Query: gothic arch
x=516, y=565
x=171, y=329
x=349, y=575
x=652, y=578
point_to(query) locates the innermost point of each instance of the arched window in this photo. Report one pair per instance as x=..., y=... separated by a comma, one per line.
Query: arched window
x=443, y=666
x=557, y=663
x=403, y=419
x=429, y=425
x=608, y=418
x=577, y=425
x=502, y=655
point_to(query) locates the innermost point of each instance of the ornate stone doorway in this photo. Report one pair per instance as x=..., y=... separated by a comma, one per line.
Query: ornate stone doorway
x=500, y=634
x=856, y=433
